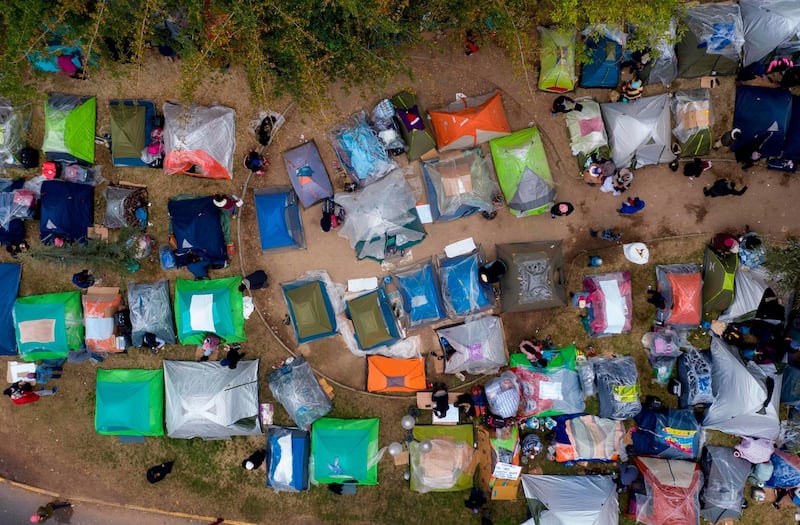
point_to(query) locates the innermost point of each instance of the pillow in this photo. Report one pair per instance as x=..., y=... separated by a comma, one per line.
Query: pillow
x=686, y=298
x=590, y=125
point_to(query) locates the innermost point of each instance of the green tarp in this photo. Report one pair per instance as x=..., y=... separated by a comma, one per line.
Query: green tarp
x=129, y=402
x=210, y=306
x=557, y=58
x=310, y=310
x=127, y=129
x=48, y=326
x=344, y=450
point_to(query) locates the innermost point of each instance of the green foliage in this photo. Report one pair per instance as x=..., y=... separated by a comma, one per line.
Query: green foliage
x=114, y=255
x=783, y=264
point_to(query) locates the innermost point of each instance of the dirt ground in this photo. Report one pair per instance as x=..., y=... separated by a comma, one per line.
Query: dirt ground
x=52, y=443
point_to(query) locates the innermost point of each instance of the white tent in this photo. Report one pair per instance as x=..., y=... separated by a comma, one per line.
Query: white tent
x=767, y=25
x=640, y=132
x=745, y=404
x=750, y=287
x=571, y=500
x=210, y=401
x=479, y=346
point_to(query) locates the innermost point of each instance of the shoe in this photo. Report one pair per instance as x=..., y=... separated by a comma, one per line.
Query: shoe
x=55, y=389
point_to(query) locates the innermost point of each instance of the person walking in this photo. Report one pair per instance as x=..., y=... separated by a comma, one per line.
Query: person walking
x=723, y=187
x=45, y=512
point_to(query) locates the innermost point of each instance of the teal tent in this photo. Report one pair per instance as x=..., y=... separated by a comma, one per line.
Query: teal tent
x=48, y=326
x=211, y=306
x=129, y=402
x=344, y=450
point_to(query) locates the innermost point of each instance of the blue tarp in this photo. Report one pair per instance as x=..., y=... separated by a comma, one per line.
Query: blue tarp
x=786, y=471
x=308, y=174
x=278, y=215
x=196, y=224
x=762, y=114
x=463, y=292
x=670, y=434
x=9, y=281
x=419, y=289
x=602, y=70
x=67, y=211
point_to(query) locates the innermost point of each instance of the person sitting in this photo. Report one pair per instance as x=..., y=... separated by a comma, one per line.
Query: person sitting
x=231, y=360
x=632, y=90
x=561, y=209
x=255, y=162
x=254, y=281
x=153, y=342
x=210, y=344
x=159, y=472
x=254, y=460
x=696, y=167
x=631, y=206
x=83, y=279
x=564, y=104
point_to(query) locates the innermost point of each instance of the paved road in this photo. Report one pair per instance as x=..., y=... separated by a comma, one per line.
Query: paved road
x=17, y=505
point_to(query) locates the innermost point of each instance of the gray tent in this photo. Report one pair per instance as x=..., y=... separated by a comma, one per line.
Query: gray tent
x=211, y=401
x=121, y=205
x=767, y=25
x=750, y=287
x=307, y=173
x=151, y=311
x=725, y=476
x=478, y=346
x=664, y=67
x=713, y=41
x=534, y=277
x=14, y=122
x=571, y=500
x=640, y=133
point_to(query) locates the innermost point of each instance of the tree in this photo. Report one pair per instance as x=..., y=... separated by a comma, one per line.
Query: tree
x=783, y=264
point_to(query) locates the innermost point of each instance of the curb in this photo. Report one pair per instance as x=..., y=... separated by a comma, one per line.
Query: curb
x=138, y=508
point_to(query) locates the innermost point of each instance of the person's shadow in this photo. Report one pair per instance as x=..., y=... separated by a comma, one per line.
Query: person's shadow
x=63, y=515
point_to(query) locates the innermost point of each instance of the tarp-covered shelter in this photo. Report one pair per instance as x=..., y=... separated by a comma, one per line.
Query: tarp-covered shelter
x=209, y=306
x=373, y=321
x=67, y=211
x=668, y=433
x=682, y=288
x=199, y=227
x=610, y=304
x=725, y=478
x=460, y=186
x=48, y=326
x=288, y=452
x=307, y=173
x=421, y=294
x=199, y=140
x=10, y=274
x=746, y=396
x=99, y=307
x=571, y=500
x=767, y=25
x=150, y=310
x=750, y=287
x=691, y=110
x=360, y=151
x=550, y=390
x=131, y=125
x=310, y=310
x=534, y=277
x=475, y=347
x=14, y=123
x=604, y=48
x=469, y=122
x=446, y=466
x=211, y=401
x=671, y=489
x=640, y=133
x=587, y=438
x=719, y=272
x=663, y=68
x=763, y=115
x=712, y=43
x=463, y=292
x=414, y=127
x=388, y=374
x=69, y=123
x=12, y=213
x=125, y=206
x=523, y=172
x=378, y=227
x=557, y=60
x=295, y=386
x=617, y=382
x=587, y=131
x=345, y=451
x=129, y=402
x=279, y=224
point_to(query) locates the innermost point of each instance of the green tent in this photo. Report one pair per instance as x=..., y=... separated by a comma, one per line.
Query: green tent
x=48, y=326
x=691, y=113
x=557, y=57
x=425, y=479
x=344, y=450
x=129, y=402
x=523, y=172
x=718, y=281
x=373, y=320
x=69, y=123
x=310, y=310
x=414, y=127
x=210, y=306
x=131, y=125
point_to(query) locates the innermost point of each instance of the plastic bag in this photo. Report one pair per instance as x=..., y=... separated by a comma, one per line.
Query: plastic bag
x=298, y=390
x=502, y=394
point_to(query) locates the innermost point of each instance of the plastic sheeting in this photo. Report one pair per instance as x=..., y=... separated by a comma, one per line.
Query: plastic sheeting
x=696, y=379
x=151, y=311
x=360, y=151
x=785, y=470
x=640, y=132
x=420, y=291
x=502, y=394
x=617, y=387
x=462, y=290
x=588, y=438
x=122, y=202
x=441, y=467
x=682, y=288
x=750, y=287
x=767, y=25
x=664, y=67
x=691, y=111
x=573, y=500
x=16, y=204
x=478, y=344
x=610, y=304
x=587, y=131
x=718, y=29
x=671, y=489
x=14, y=122
x=458, y=187
x=549, y=391
x=199, y=140
x=298, y=390
x=669, y=433
x=725, y=478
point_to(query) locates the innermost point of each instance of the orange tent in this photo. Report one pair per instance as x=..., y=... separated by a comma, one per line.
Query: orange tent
x=99, y=307
x=469, y=122
x=387, y=374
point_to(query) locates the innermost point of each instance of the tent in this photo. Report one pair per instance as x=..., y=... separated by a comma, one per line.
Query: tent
x=668, y=433
x=67, y=211
x=99, y=307
x=670, y=493
x=712, y=43
x=461, y=186
x=131, y=125
x=791, y=145
x=463, y=292
x=534, y=277
x=69, y=123
x=310, y=310
x=12, y=229
x=279, y=224
x=373, y=321
x=388, y=374
x=288, y=451
x=583, y=437
x=604, y=50
x=571, y=500
x=209, y=306
x=123, y=204
x=691, y=111
x=750, y=288
x=421, y=294
x=200, y=228
x=719, y=273
x=587, y=132
x=640, y=133
x=211, y=401
x=129, y=402
x=470, y=121
x=345, y=451
x=446, y=467
x=307, y=173
x=523, y=172
x=609, y=305
x=477, y=346
x=557, y=56
x=746, y=397
x=199, y=140
x=151, y=311
x=360, y=151
x=10, y=274
x=14, y=123
x=663, y=68
x=48, y=326
x=378, y=227
x=763, y=115
x=551, y=390
x=725, y=477
x=414, y=127
x=682, y=288
x=767, y=25
x=295, y=386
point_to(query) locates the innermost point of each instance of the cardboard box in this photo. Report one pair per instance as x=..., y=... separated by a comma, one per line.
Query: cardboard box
x=700, y=118
x=456, y=176
x=505, y=489
x=402, y=459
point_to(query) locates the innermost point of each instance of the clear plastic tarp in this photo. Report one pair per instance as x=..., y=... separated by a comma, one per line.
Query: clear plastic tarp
x=670, y=493
x=440, y=467
x=151, y=311
x=462, y=185
x=17, y=204
x=199, y=140
x=14, y=122
x=617, y=387
x=682, y=288
x=421, y=294
x=360, y=151
x=718, y=28
x=691, y=112
x=587, y=132
x=122, y=205
x=725, y=478
x=475, y=347
x=296, y=387
x=462, y=290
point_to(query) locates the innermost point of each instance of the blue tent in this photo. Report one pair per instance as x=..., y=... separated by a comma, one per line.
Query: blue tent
x=310, y=310
x=462, y=290
x=602, y=70
x=307, y=173
x=14, y=231
x=791, y=147
x=762, y=114
x=419, y=289
x=278, y=215
x=197, y=226
x=67, y=211
x=131, y=125
x=373, y=321
x=9, y=278
x=288, y=451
